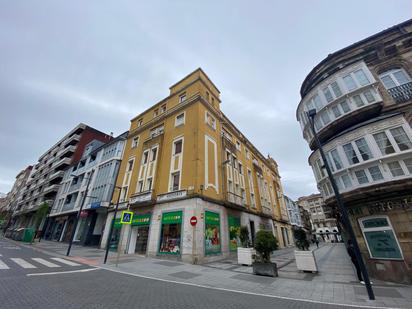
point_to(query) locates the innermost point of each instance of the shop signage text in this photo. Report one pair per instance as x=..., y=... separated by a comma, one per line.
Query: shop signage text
x=171, y=195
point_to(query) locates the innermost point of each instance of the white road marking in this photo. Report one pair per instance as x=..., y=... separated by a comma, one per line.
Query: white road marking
x=246, y=292
x=44, y=262
x=63, y=272
x=22, y=263
x=3, y=266
x=70, y=263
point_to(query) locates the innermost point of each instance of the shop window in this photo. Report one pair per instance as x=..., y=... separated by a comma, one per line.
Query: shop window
x=212, y=233
x=234, y=231
x=380, y=238
x=171, y=233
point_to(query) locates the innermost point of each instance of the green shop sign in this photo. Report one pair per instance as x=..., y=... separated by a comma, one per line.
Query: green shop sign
x=234, y=231
x=212, y=233
x=141, y=219
x=172, y=217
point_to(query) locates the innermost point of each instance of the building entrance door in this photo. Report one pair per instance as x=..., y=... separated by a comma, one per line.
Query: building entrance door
x=141, y=240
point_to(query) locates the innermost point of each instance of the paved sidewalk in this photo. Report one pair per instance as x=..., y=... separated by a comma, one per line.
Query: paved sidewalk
x=335, y=283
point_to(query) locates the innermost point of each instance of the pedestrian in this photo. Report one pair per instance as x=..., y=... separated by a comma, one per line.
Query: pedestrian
x=351, y=251
x=317, y=243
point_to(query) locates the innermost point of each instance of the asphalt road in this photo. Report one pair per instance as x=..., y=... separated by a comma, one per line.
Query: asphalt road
x=47, y=282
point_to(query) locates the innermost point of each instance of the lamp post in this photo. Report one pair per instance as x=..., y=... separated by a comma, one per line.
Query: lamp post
x=344, y=213
x=109, y=238
x=78, y=213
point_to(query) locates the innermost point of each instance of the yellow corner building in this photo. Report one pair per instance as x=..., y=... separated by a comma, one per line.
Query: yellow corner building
x=183, y=159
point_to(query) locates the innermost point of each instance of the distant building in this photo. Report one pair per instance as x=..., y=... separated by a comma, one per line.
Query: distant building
x=362, y=95
x=45, y=177
x=306, y=220
x=98, y=167
x=293, y=212
x=324, y=226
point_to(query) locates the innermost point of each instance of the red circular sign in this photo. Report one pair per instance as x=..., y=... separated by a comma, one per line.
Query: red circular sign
x=193, y=220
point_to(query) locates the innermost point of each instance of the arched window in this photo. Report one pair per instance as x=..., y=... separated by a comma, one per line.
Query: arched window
x=398, y=83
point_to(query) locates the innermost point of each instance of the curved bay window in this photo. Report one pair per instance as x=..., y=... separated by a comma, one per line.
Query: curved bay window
x=398, y=83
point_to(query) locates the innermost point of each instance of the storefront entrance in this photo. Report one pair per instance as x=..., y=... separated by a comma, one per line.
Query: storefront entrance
x=141, y=240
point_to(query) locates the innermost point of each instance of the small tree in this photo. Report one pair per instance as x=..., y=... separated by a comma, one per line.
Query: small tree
x=265, y=244
x=244, y=236
x=300, y=239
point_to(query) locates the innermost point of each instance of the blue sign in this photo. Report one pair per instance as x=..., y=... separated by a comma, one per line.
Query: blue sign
x=95, y=205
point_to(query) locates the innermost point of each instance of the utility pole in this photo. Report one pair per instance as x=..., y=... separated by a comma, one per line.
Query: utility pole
x=344, y=213
x=109, y=238
x=79, y=212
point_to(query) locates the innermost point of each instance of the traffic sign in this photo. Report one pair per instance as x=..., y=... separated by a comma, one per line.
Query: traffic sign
x=193, y=221
x=126, y=217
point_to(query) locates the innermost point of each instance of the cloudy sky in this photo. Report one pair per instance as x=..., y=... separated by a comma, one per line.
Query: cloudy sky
x=102, y=63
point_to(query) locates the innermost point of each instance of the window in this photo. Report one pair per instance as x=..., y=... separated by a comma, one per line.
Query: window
x=349, y=82
x=336, y=111
x=336, y=159
x=238, y=145
x=175, y=181
x=350, y=154
x=155, y=112
x=361, y=176
x=401, y=138
x=240, y=168
x=213, y=101
x=318, y=102
x=247, y=154
x=328, y=94
x=336, y=89
x=363, y=149
x=325, y=117
x=130, y=165
x=320, y=168
x=383, y=143
x=361, y=77
x=139, y=122
x=318, y=123
x=375, y=173
x=178, y=147
x=140, y=186
x=369, y=96
x=180, y=120
x=145, y=157
x=210, y=120
x=396, y=169
x=408, y=163
x=182, y=97
x=207, y=96
x=358, y=100
x=345, y=106
x=154, y=153
x=171, y=233
x=163, y=108
x=346, y=181
x=149, y=184
x=394, y=78
x=135, y=141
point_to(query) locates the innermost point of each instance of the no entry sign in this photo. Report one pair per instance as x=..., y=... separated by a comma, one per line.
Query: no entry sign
x=193, y=220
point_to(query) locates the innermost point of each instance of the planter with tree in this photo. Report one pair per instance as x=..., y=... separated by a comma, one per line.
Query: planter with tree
x=245, y=254
x=305, y=258
x=265, y=244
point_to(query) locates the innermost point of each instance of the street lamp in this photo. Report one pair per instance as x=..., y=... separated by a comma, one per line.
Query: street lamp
x=78, y=213
x=112, y=226
x=344, y=213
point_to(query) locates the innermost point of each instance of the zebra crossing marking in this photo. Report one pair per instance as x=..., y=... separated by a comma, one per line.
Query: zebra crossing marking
x=45, y=263
x=22, y=263
x=70, y=263
x=3, y=265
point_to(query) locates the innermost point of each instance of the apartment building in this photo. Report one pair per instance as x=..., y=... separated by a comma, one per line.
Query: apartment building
x=324, y=224
x=95, y=172
x=45, y=177
x=184, y=158
x=293, y=212
x=362, y=95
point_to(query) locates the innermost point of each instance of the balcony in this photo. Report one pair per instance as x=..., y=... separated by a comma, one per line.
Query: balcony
x=67, y=151
x=235, y=199
x=61, y=164
x=141, y=197
x=56, y=175
x=72, y=140
x=402, y=93
x=52, y=188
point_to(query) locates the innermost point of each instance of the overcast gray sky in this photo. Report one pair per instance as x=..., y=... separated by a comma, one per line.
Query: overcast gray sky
x=102, y=63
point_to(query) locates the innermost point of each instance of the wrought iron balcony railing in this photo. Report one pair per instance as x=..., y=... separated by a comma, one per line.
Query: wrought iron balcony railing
x=401, y=93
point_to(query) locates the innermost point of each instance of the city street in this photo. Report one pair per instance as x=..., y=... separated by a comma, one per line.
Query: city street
x=31, y=279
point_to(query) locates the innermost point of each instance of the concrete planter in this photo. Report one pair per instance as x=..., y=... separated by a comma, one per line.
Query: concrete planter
x=245, y=256
x=265, y=269
x=305, y=261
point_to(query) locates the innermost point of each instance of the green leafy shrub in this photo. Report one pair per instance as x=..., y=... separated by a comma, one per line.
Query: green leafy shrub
x=265, y=244
x=244, y=236
x=300, y=239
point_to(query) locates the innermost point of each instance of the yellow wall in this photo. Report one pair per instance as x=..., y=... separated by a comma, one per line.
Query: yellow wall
x=199, y=92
